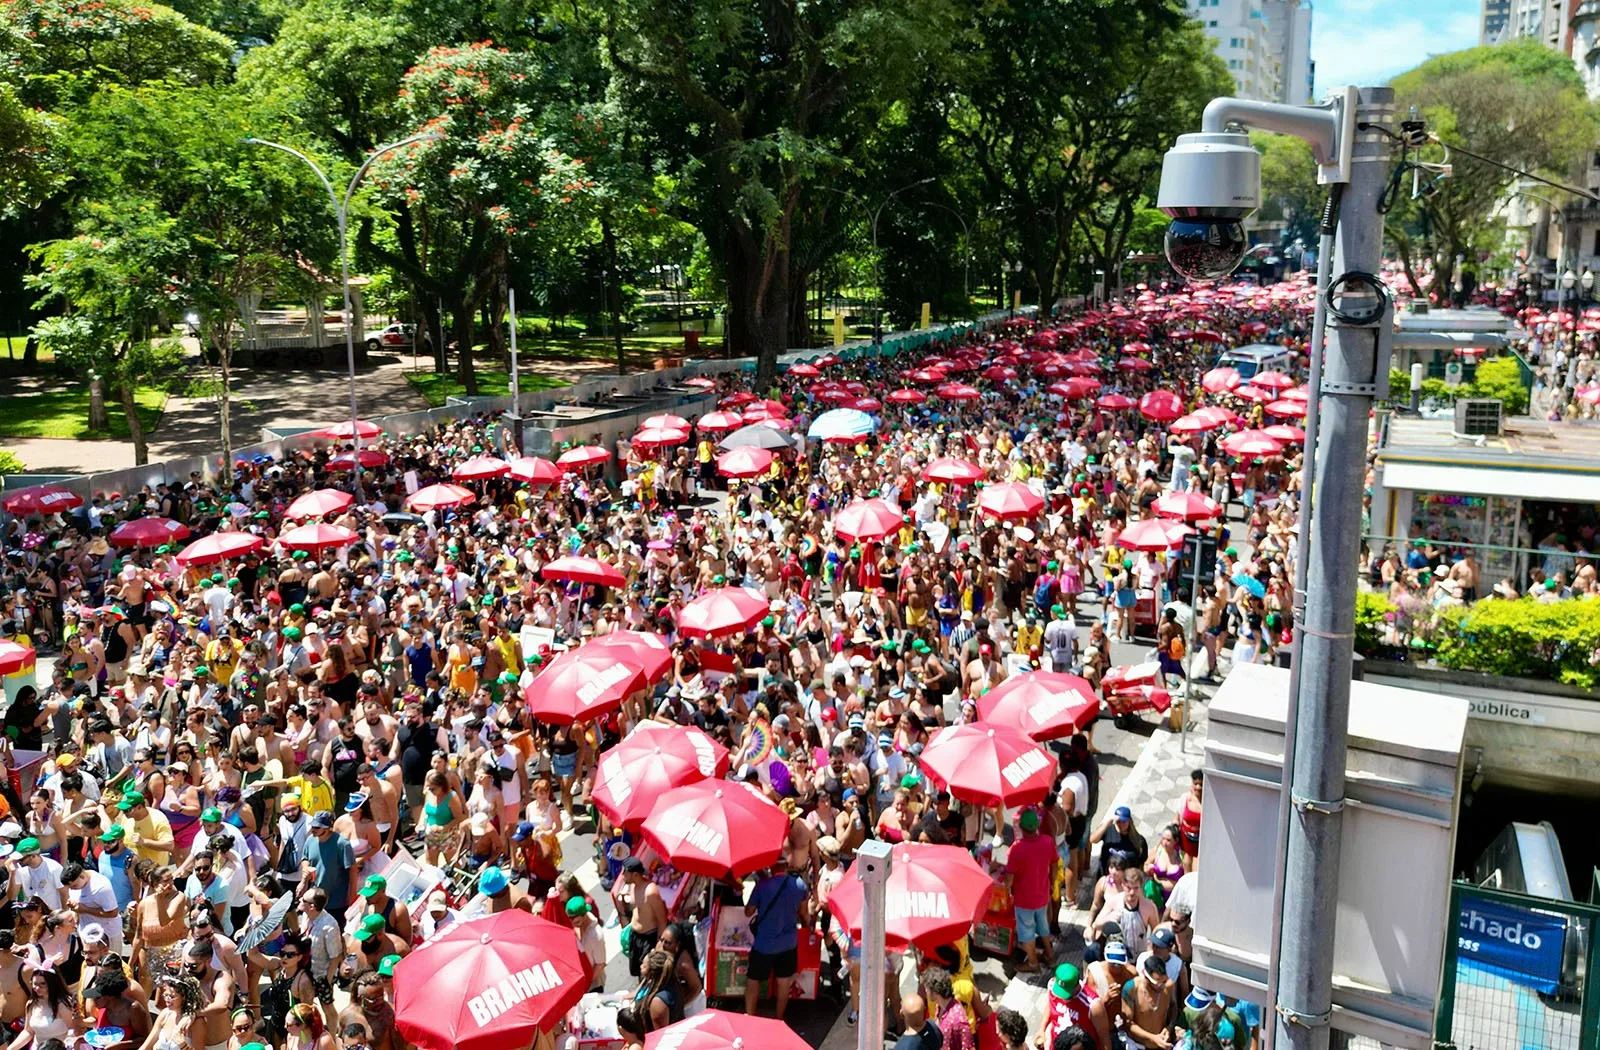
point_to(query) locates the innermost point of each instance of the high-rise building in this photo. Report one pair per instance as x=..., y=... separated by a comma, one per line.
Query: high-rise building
x=1496, y=16
x=1266, y=45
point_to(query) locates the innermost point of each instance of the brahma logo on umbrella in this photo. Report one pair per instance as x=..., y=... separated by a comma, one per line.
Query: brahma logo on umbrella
x=616, y=674
x=517, y=986
x=615, y=778
x=1025, y=765
x=917, y=905
x=1042, y=711
x=678, y=1034
x=705, y=753
x=691, y=832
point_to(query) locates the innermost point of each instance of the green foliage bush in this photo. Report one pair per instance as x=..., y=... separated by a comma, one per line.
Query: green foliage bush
x=1524, y=639
x=1500, y=378
x=11, y=463
x=1372, y=614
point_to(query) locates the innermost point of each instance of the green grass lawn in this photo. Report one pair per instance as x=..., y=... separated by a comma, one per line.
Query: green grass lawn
x=435, y=387
x=65, y=414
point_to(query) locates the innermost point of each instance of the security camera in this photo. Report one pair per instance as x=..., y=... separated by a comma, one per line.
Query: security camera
x=1210, y=181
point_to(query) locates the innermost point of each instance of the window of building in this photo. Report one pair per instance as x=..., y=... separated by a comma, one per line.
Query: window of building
x=1211, y=24
x=1596, y=162
x=1596, y=243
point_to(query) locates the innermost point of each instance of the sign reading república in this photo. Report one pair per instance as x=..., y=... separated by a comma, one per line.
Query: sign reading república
x=1521, y=945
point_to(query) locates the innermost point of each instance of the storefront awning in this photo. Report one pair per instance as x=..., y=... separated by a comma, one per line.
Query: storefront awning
x=1525, y=483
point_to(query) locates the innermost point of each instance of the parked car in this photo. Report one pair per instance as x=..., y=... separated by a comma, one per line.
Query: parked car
x=394, y=337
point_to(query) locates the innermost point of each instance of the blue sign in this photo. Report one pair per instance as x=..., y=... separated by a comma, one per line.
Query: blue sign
x=1521, y=945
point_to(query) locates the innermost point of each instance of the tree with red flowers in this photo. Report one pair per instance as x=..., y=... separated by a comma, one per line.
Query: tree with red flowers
x=502, y=174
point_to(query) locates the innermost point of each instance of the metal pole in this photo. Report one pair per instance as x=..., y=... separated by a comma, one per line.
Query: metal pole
x=1315, y=744
x=872, y=868
x=1194, y=633
x=516, y=387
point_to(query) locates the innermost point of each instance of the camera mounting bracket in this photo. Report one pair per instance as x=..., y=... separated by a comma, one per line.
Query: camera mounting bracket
x=1329, y=127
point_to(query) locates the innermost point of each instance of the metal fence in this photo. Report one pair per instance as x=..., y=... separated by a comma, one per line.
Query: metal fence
x=543, y=406
x=1516, y=973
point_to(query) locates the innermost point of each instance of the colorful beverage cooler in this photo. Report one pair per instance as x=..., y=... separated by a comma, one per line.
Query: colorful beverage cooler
x=996, y=929
x=16, y=667
x=728, y=958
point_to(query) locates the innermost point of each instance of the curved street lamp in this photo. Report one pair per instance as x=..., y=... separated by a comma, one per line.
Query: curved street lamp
x=341, y=210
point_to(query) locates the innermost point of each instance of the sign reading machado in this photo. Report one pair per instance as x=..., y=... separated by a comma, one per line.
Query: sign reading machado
x=1521, y=945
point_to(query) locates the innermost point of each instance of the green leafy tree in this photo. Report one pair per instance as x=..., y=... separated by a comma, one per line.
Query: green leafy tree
x=112, y=280
x=753, y=95
x=239, y=214
x=1059, y=132
x=75, y=46
x=30, y=144
x=1521, y=105
x=1289, y=190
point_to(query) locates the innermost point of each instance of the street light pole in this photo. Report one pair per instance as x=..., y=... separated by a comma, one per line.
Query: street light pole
x=877, y=262
x=341, y=210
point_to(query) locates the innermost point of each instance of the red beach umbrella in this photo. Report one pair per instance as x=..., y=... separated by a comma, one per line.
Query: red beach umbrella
x=724, y=611
x=1187, y=506
x=1162, y=406
x=535, y=470
x=645, y=766
x=583, y=570
x=219, y=546
x=869, y=520
x=582, y=456
x=43, y=499
x=933, y=896
x=1010, y=501
x=952, y=470
x=148, y=532
x=318, y=502
x=582, y=684
x=481, y=468
x=744, y=462
x=509, y=976
x=433, y=497
x=1044, y=704
x=717, y=828
x=317, y=536
x=989, y=765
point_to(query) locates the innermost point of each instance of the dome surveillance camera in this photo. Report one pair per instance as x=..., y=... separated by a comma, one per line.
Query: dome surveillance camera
x=1209, y=183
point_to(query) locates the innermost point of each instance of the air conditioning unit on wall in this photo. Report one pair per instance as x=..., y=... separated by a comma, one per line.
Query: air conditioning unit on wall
x=1479, y=417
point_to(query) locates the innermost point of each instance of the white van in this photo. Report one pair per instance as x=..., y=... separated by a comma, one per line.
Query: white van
x=1257, y=357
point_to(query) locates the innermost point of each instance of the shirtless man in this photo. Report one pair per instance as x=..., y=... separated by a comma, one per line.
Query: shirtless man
x=383, y=797
x=1103, y=980
x=375, y=900
x=649, y=913
x=322, y=587
x=500, y=894
x=1148, y=1007
x=216, y=995
x=13, y=996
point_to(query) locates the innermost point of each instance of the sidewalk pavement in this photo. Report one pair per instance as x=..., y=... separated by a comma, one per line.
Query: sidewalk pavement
x=261, y=398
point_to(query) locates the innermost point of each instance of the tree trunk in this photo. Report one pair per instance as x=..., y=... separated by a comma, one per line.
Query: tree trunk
x=225, y=363
x=98, y=417
x=130, y=408
x=30, y=353
x=799, y=322
x=613, y=288
x=464, y=364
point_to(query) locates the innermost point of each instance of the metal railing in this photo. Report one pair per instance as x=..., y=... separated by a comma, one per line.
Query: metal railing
x=1516, y=973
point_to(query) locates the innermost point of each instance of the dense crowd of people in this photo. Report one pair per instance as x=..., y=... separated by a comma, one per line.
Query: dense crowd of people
x=218, y=735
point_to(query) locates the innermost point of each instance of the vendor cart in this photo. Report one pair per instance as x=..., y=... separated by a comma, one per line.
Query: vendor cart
x=995, y=932
x=683, y=893
x=728, y=958
x=1127, y=691
x=592, y=1024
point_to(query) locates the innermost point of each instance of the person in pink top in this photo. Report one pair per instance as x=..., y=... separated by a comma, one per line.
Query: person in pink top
x=1028, y=878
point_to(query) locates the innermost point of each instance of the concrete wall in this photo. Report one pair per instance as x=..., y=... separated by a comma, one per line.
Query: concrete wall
x=1536, y=736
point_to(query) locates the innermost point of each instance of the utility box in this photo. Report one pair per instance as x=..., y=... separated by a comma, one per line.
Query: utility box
x=1403, y=777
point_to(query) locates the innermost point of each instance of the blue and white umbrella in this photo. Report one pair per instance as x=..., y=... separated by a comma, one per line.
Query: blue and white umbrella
x=842, y=424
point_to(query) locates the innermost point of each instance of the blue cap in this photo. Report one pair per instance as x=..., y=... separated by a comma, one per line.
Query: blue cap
x=492, y=880
x=1116, y=951
x=524, y=831
x=1123, y=813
